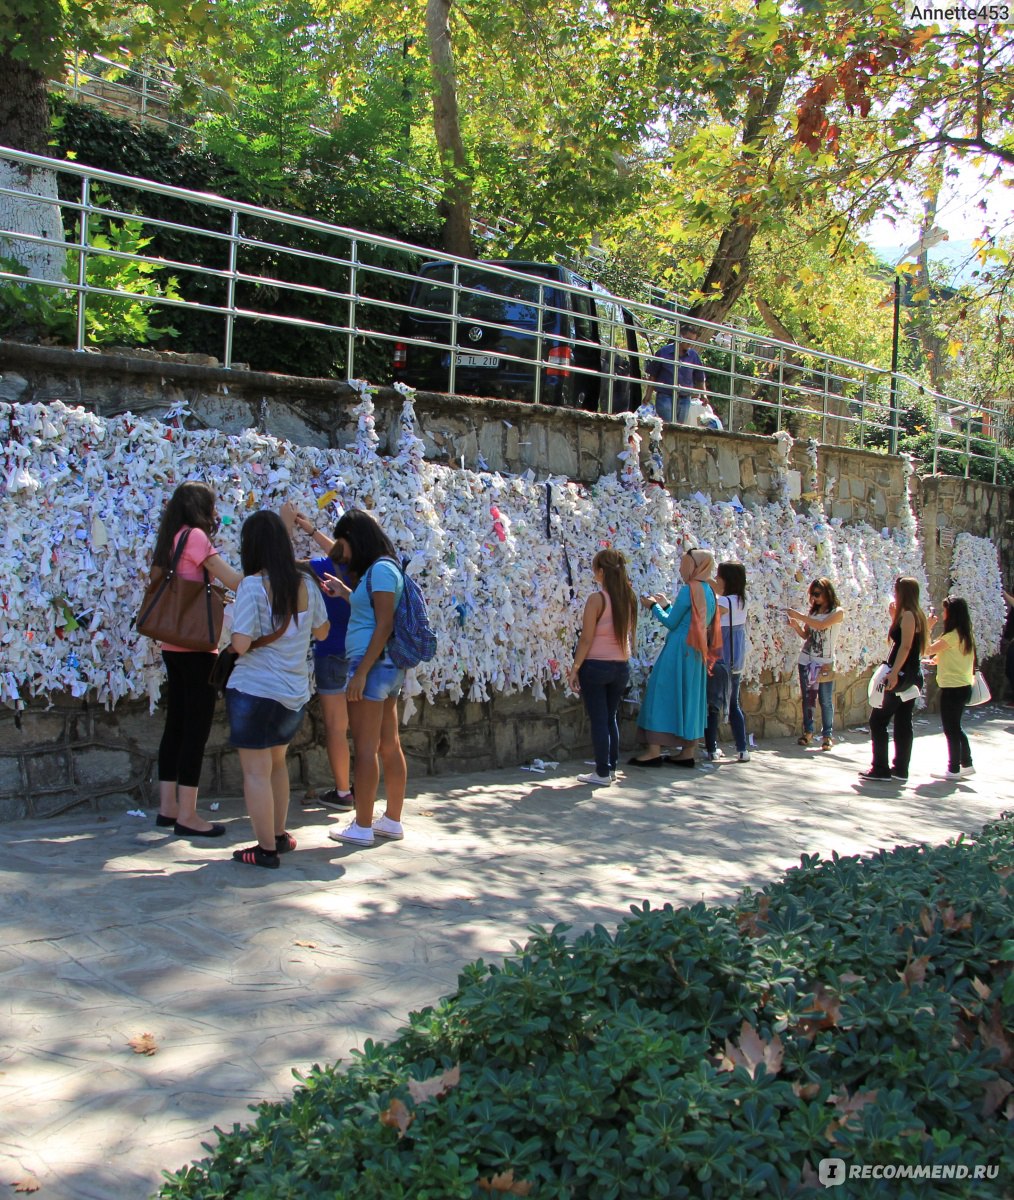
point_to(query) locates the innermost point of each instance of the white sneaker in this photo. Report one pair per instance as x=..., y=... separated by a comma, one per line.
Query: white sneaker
x=612, y=774
x=719, y=753
x=384, y=827
x=966, y=771
x=352, y=835
x=947, y=775
x=595, y=779
x=743, y=756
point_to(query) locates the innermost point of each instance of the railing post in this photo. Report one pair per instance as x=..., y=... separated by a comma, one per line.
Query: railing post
x=823, y=417
x=733, y=385
x=350, y=345
x=892, y=444
x=82, y=261
x=968, y=442
x=539, y=345
x=781, y=379
x=230, y=315
x=452, y=361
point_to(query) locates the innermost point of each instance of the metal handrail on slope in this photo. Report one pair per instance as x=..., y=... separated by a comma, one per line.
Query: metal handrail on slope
x=748, y=376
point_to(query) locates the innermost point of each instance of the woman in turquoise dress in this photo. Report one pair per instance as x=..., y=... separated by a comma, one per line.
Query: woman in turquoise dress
x=675, y=708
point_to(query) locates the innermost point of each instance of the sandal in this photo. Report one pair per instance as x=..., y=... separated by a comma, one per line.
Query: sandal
x=284, y=842
x=826, y=744
x=254, y=856
x=805, y=740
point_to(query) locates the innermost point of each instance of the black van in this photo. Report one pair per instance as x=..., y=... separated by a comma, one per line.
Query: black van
x=584, y=337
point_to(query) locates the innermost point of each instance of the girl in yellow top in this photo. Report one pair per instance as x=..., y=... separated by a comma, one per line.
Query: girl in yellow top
x=955, y=659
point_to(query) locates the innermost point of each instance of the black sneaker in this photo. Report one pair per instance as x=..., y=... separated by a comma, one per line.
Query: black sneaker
x=872, y=776
x=336, y=802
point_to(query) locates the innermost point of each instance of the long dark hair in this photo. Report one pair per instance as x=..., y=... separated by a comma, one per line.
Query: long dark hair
x=367, y=541
x=830, y=595
x=906, y=594
x=191, y=506
x=264, y=545
x=621, y=595
x=958, y=618
x=733, y=577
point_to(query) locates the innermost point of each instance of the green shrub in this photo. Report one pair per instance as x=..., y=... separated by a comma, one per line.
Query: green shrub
x=858, y=1008
x=31, y=311
x=952, y=459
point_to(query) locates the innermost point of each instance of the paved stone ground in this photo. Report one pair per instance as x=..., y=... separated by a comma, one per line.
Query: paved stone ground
x=113, y=929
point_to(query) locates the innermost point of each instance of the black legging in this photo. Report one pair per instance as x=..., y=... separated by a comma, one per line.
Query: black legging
x=190, y=709
x=952, y=705
x=880, y=719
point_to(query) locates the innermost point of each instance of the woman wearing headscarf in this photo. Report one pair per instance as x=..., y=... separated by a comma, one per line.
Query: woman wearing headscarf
x=675, y=708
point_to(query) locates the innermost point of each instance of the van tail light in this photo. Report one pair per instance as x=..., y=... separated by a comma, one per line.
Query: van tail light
x=559, y=361
x=400, y=356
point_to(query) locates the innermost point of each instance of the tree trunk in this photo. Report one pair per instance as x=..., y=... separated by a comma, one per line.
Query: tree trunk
x=456, y=204
x=730, y=268
x=24, y=125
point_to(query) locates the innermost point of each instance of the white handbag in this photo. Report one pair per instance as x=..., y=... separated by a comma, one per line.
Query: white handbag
x=875, y=690
x=980, y=690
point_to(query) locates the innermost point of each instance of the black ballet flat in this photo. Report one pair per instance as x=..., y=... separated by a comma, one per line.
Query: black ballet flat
x=646, y=762
x=165, y=822
x=185, y=831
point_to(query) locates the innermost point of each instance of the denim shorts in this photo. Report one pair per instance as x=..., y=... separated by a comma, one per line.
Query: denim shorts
x=331, y=671
x=256, y=723
x=383, y=681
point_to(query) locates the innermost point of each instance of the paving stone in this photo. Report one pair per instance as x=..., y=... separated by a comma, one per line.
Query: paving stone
x=113, y=929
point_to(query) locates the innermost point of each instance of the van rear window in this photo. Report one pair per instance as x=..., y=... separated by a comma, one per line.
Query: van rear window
x=503, y=301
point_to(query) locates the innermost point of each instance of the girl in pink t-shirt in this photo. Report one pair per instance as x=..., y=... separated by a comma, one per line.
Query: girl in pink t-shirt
x=601, y=672
x=189, y=698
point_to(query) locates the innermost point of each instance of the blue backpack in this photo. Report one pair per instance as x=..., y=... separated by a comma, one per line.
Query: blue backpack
x=412, y=640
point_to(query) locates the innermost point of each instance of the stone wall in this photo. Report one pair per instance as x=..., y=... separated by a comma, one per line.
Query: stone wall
x=54, y=756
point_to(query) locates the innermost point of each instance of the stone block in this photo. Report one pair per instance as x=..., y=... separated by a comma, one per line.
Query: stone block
x=727, y=461
x=418, y=767
x=505, y=744
x=491, y=445
x=11, y=781
x=13, y=809
x=561, y=454
x=54, y=803
x=747, y=473
x=140, y=731
x=417, y=741
x=230, y=777
x=48, y=769
x=538, y=737
x=749, y=702
x=444, y=714
x=474, y=712
x=316, y=769
x=12, y=387
x=97, y=767
x=38, y=729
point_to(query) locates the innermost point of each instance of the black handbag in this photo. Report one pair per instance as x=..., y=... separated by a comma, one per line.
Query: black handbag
x=227, y=659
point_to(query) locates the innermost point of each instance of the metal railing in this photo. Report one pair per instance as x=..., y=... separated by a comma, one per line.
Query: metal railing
x=349, y=295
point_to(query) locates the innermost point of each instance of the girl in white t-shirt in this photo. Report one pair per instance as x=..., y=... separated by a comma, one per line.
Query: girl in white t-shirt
x=723, y=685
x=819, y=630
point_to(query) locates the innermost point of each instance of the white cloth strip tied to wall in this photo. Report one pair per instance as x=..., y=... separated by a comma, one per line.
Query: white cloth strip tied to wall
x=80, y=500
x=976, y=576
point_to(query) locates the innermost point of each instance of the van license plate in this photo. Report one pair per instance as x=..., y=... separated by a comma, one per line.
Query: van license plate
x=478, y=360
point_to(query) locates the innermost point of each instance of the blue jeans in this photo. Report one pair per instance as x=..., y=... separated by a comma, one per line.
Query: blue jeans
x=663, y=405
x=825, y=696
x=736, y=719
x=602, y=686
x=683, y=407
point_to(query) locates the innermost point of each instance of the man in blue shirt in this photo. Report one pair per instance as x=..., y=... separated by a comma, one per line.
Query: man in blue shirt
x=688, y=374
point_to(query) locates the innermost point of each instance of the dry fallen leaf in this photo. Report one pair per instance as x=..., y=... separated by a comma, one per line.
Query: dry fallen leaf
x=915, y=970
x=952, y=922
x=144, y=1044
x=995, y=1037
x=806, y=1091
x=751, y=924
x=822, y=1014
x=994, y=1094
x=752, y=1051
x=982, y=990
x=396, y=1116
x=437, y=1085
x=308, y=945
x=848, y=1107
x=506, y=1184
x=28, y=1184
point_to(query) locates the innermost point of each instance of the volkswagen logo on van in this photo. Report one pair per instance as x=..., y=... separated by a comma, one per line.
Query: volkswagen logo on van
x=475, y=334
